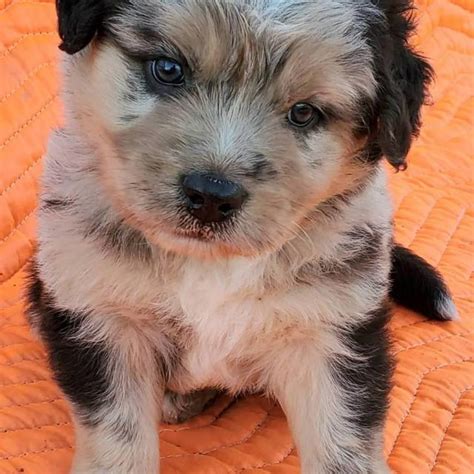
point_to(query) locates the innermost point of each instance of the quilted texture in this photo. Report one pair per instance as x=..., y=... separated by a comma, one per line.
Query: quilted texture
x=430, y=426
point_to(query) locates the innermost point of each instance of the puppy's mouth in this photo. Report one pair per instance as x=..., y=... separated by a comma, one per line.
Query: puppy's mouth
x=202, y=242
x=190, y=227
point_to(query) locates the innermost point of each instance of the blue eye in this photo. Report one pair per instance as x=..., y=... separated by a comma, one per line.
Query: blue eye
x=167, y=71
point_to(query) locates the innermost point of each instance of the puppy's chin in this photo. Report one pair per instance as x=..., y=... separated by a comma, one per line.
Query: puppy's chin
x=197, y=246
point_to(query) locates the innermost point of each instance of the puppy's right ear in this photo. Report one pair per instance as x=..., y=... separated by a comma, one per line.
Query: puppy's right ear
x=403, y=76
x=78, y=22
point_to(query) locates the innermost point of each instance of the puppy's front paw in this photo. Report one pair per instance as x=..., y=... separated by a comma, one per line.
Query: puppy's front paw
x=87, y=466
x=178, y=408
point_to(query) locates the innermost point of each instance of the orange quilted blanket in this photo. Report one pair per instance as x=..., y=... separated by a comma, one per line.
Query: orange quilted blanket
x=430, y=426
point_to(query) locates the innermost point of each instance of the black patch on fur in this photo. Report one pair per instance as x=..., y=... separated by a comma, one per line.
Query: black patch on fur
x=403, y=77
x=80, y=368
x=366, y=378
x=416, y=284
x=117, y=237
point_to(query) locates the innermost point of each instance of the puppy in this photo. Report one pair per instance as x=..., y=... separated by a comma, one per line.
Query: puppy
x=215, y=216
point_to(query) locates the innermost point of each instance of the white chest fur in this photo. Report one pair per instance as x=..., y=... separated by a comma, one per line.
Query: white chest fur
x=237, y=317
x=224, y=306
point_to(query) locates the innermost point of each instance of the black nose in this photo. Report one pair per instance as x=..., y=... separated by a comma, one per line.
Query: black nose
x=212, y=198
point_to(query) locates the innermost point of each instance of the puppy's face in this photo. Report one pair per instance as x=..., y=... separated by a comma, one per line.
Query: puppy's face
x=221, y=126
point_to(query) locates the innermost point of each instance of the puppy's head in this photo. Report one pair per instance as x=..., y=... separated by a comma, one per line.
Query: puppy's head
x=221, y=125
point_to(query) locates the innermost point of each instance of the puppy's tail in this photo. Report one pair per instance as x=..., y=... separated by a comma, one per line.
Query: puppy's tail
x=417, y=285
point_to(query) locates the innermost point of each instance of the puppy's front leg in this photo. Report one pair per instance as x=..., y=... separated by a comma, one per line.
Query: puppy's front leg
x=334, y=394
x=111, y=377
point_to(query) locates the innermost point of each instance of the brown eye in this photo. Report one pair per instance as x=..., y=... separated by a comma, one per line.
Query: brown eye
x=302, y=115
x=167, y=71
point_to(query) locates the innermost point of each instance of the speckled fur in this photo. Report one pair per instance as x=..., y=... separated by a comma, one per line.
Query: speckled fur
x=285, y=298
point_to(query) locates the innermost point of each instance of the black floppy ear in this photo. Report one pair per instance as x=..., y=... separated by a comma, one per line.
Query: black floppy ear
x=78, y=22
x=403, y=78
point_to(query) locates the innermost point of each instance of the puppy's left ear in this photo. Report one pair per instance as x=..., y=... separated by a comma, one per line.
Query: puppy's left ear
x=404, y=77
x=78, y=22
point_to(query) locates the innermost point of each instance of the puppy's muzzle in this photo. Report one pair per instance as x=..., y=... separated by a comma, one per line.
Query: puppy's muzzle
x=211, y=198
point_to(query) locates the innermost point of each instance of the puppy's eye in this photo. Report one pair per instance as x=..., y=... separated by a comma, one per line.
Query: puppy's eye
x=302, y=115
x=167, y=71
